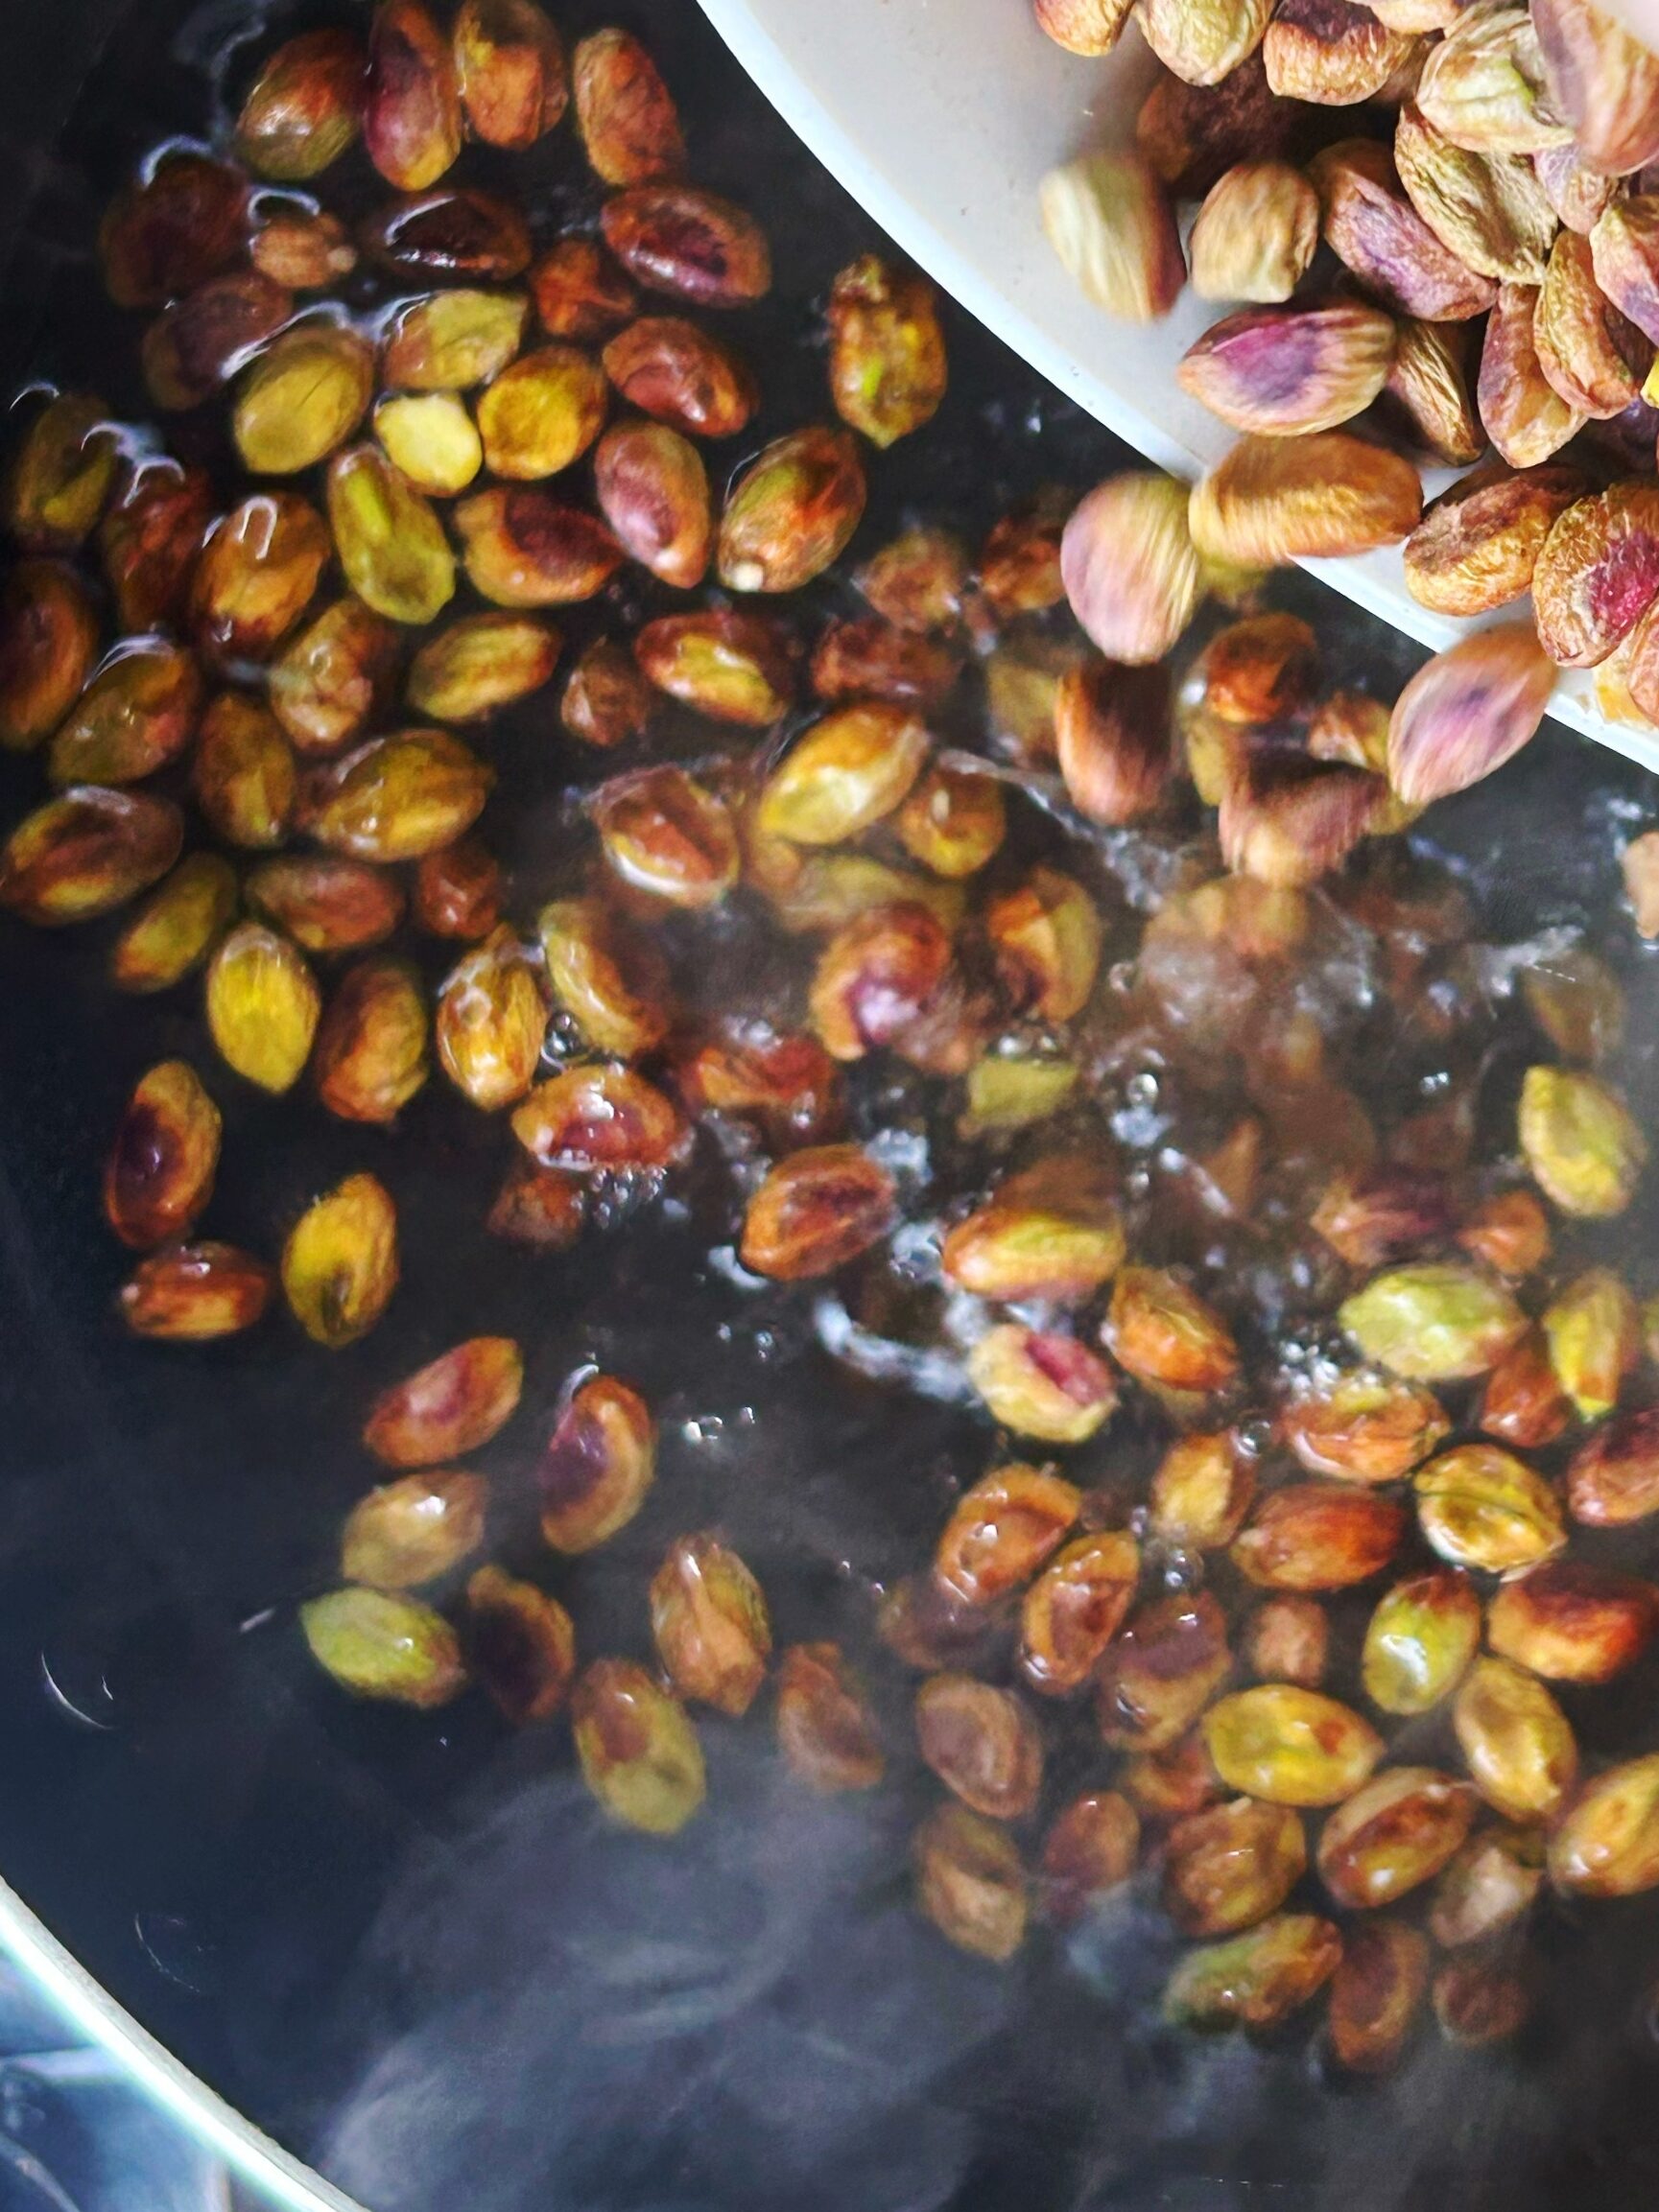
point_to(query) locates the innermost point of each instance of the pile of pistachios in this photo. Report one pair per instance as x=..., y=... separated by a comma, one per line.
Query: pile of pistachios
x=1431, y=220
x=1148, y=1188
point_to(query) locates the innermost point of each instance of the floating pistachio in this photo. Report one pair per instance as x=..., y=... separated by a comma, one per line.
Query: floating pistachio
x=1161, y=1670
x=177, y=927
x=521, y=1646
x=414, y=1530
x=791, y=515
x=1420, y=1640
x=887, y=368
x=598, y=1119
x=193, y=1293
x=817, y=1211
x=1231, y=1865
x=510, y=66
x=675, y=239
x=324, y=903
x=1376, y=1992
x=339, y=1267
x=243, y=777
x=449, y=1407
x=1073, y=1610
x=47, y=646
x=378, y=1644
x=1256, y=1980
x=1515, y=1740
x=1041, y=1383
x=597, y=1466
x=371, y=1057
x=1434, y=1321
x=263, y=1005
x=1290, y=1746
x=523, y=547
x=825, y=1728
x=626, y=113
x=301, y=399
x=1090, y=1849
x=1579, y=1142
x=304, y=107
x=139, y=713
x=396, y=798
x=412, y=116
x=639, y=1753
x=159, y=1173
x=333, y=675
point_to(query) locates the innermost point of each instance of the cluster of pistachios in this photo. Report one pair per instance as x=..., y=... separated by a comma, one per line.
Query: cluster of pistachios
x=1479, y=270
x=1146, y=1190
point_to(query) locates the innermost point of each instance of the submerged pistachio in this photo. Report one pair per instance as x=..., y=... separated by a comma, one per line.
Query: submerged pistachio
x=159, y=1173
x=1256, y=1980
x=970, y=1882
x=380, y=1645
x=1580, y=1141
x=371, y=1056
x=825, y=1728
x=639, y=1753
x=414, y=1530
x=263, y=1005
x=194, y=1293
x=521, y=1646
x=1434, y=1321
x=490, y=1021
x=449, y=1407
x=340, y=1265
x=177, y=927
x=399, y=798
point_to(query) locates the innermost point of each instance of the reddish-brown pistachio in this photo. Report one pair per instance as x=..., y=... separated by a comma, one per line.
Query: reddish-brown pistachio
x=411, y=117
x=597, y=1466
x=1478, y=544
x=625, y=112
x=981, y=1743
x=1090, y=1849
x=1315, y=1536
x=1613, y=1479
x=871, y=659
x=814, y=1211
x=86, y=852
x=455, y=234
x=1073, y=1610
x=159, y=1173
x=195, y=1292
x=1375, y=1993
x=1375, y=231
x=257, y=575
x=1193, y=133
x=608, y=700
x=243, y=776
x=325, y=904
x=1385, y=1214
x=653, y=489
x=1164, y=1334
x=1571, y=1622
x=1003, y=1531
x=150, y=538
x=676, y=238
x=1113, y=739
x=370, y=1055
x=509, y=65
x=524, y=547
x=333, y=676
x=601, y=1119
x=449, y=1407
x=1230, y=1865
x=197, y=344
x=580, y=292
x=669, y=837
x=139, y=713
x=1598, y=573
x=683, y=376
x=301, y=250
x=1332, y=52
x=184, y=221
x=1590, y=353
x=1286, y=1639
x=825, y=1727
x=1162, y=1670
x=521, y=1646
x=458, y=891
x=540, y=1208
x=1523, y=1403
x=970, y=1882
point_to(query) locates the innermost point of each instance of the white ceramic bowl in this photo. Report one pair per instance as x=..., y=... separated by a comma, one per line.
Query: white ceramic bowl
x=941, y=117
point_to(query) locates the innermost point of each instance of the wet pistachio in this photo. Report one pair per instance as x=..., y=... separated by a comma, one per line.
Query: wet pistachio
x=301, y=248
x=525, y=549
x=1074, y=1609
x=1515, y=1740
x=449, y=1407
x=244, y=776
x=626, y=113
x=540, y=1208
x=339, y=1267
x=1584, y=1150
x=333, y=676
x=159, y=1173
x=412, y=116
x=371, y=1042
x=542, y=413
x=1315, y=1536
x=1129, y=566
x=63, y=473
x=653, y=489
x=952, y=822
x=1382, y=1214
x=639, y=1753
x=607, y=701
x=149, y=540
x=1042, y=1385
x=1254, y=1980
x=814, y=1211
x=1523, y=1403
x=598, y=1119
x=480, y=663
x=1376, y=1992
x=399, y=798
x=1468, y=711
x=490, y=1022
x=1288, y=821
x=611, y=982
x=1288, y=1640
x=1201, y=1490
x=1481, y=1997
x=1375, y=231
x=1003, y=1531
x=849, y=770
x=1608, y=1845
x=1613, y=1478
x=1107, y=218
x=1255, y=235
x=1483, y=87
x=192, y=1293
x=510, y=68
x=139, y=713
x=1290, y=1746
x=928, y=1627
x=1260, y=670
x=1278, y=498
x=726, y=663
x=182, y=221
x=326, y=905
x=1332, y=52
x=1476, y=545
x=1231, y=1865
x=888, y=370
x=675, y=239
x=521, y=1646
x=301, y=399
x=1435, y=1320
x=790, y=514
x=379, y=1645
x=1161, y=1670
x=970, y=1882
x=709, y=1618
x=1052, y=1232
x=1490, y=1888
x=981, y=1743
x=825, y=1728
x=1487, y=208
x=262, y=1007
x=457, y=892
x=414, y=1530
x=1480, y=1506
x=682, y=376
x=1091, y=1848
x=177, y=927
x=1275, y=370
x=1570, y=1622
x=1578, y=1001
x=453, y=234
x=1597, y=573
x=580, y=292
x=1021, y=681
x=821, y=894
x=1047, y=936
x=1165, y=1334
x=390, y=544
x=1429, y=386
x=47, y=646
x=782, y=1079
x=1420, y=1640
x=303, y=108
x=1602, y=80
x=453, y=339
x=668, y=835
x=1171, y=1784
x=1112, y=738
x=1594, y=1332
x=918, y=581
x=1393, y=1834
x=200, y=342
x=1510, y=1231
x=257, y=575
